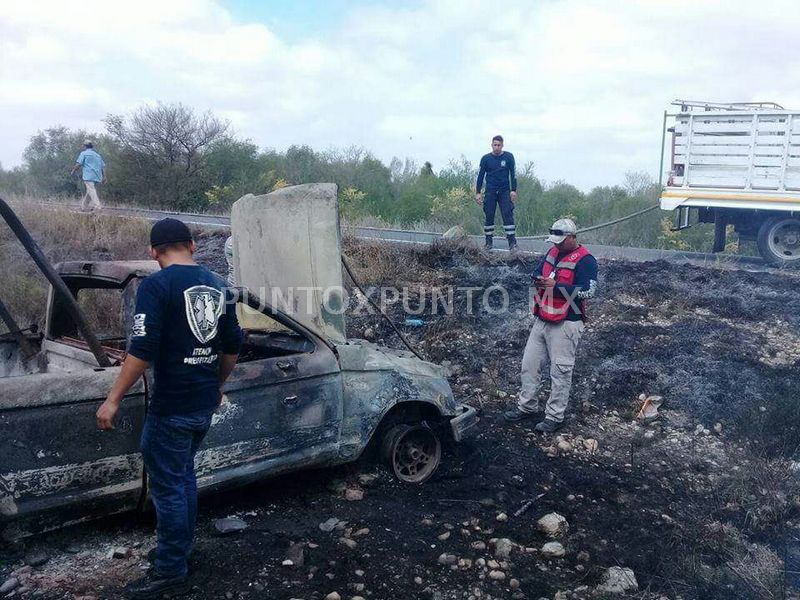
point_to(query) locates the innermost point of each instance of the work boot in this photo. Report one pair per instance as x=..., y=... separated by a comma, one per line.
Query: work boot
x=512, y=243
x=515, y=414
x=548, y=426
x=488, y=244
x=155, y=585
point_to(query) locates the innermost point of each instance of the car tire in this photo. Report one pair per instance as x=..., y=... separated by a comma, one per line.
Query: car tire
x=412, y=452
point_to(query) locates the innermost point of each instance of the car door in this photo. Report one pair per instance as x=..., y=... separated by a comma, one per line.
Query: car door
x=56, y=467
x=283, y=408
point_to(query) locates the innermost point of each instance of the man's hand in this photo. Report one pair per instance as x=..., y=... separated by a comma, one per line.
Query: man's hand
x=544, y=282
x=107, y=413
x=513, y=196
x=479, y=198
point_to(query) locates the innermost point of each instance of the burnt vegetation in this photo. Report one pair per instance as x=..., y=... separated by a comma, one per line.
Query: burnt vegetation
x=698, y=503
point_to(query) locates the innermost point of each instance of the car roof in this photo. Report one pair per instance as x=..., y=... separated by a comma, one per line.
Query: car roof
x=116, y=270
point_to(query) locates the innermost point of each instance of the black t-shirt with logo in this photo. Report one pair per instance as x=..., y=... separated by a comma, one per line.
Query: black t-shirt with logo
x=184, y=319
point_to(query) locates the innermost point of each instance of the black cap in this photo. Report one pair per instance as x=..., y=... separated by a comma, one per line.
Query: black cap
x=169, y=231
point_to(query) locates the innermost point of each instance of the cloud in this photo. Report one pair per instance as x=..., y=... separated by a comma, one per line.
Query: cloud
x=577, y=87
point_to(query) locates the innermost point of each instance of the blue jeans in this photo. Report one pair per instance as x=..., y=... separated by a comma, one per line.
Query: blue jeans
x=491, y=200
x=168, y=446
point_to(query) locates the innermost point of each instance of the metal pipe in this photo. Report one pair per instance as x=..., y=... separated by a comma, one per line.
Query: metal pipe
x=58, y=284
x=661, y=165
x=28, y=351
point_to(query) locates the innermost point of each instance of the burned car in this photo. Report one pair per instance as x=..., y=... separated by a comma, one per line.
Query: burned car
x=297, y=399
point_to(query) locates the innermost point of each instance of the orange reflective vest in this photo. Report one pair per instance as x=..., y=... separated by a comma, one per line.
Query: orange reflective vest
x=550, y=305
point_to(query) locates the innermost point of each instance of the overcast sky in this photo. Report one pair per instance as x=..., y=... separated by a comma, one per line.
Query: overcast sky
x=577, y=87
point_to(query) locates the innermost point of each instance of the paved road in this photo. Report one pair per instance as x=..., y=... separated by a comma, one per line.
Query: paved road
x=424, y=237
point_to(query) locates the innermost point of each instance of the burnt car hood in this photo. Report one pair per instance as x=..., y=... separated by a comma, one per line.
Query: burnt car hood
x=363, y=355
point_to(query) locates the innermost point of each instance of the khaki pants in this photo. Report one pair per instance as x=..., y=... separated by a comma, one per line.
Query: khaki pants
x=90, y=199
x=558, y=342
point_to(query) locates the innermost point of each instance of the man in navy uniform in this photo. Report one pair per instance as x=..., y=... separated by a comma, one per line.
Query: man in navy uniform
x=498, y=169
x=185, y=326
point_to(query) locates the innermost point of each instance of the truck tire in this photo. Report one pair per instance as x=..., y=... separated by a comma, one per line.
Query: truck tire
x=779, y=241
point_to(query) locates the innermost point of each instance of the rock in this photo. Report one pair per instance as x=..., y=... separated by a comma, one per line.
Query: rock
x=553, y=550
x=447, y=559
x=333, y=596
x=517, y=481
x=443, y=536
x=357, y=598
x=454, y=233
x=354, y=494
x=337, y=486
x=287, y=563
x=369, y=333
x=497, y=575
x=501, y=394
x=552, y=525
x=368, y=479
x=564, y=447
x=502, y=517
x=36, y=558
x=480, y=546
x=229, y=526
x=618, y=580
x=583, y=556
x=514, y=584
x=328, y=525
x=361, y=532
x=551, y=451
x=503, y=548
x=493, y=564
x=296, y=554
x=418, y=580
x=718, y=428
x=487, y=501
x=348, y=542
x=119, y=552
x=359, y=573
x=8, y=585
x=591, y=445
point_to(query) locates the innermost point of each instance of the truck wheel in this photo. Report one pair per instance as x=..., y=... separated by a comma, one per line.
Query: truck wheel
x=779, y=241
x=413, y=452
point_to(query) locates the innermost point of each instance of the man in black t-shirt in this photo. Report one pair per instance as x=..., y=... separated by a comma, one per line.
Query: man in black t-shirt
x=185, y=326
x=499, y=170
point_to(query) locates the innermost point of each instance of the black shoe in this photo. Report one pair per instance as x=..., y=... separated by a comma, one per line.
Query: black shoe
x=192, y=563
x=515, y=414
x=512, y=243
x=154, y=585
x=488, y=244
x=548, y=426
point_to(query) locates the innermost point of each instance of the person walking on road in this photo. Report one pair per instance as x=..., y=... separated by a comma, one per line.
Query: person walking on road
x=186, y=327
x=564, y=280
x=498, y=169
x=93, y=172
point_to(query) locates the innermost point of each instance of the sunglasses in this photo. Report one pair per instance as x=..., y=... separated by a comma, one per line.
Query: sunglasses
x=561, y=232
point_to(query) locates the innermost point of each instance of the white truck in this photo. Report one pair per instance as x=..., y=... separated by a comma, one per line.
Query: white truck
x=738, y=164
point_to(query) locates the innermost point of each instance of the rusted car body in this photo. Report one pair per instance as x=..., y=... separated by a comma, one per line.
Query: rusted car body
x=295, y=400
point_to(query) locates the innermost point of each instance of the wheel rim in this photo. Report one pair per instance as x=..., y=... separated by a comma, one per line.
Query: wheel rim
x=415, y=454
x=784, y=239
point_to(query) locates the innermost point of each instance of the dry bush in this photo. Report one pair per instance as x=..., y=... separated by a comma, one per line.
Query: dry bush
x=377, y=263
x=62, y=235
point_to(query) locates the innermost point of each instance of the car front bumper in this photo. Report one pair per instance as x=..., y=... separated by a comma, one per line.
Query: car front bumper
x=464, y=422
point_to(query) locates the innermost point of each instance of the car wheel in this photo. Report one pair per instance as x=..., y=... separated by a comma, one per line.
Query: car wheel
x=412, y=452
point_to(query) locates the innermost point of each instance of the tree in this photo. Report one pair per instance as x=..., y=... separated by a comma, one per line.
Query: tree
x=49, y=157
x=165, y=149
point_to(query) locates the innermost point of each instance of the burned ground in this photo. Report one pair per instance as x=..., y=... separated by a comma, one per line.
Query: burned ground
x=697, y=502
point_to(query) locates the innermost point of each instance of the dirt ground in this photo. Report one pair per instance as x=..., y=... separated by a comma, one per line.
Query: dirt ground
x=698, y=503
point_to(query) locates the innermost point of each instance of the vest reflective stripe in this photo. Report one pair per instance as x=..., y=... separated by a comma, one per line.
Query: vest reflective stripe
x=551, y=306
